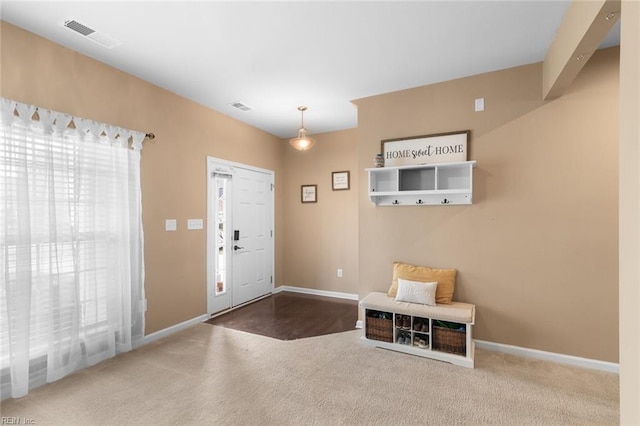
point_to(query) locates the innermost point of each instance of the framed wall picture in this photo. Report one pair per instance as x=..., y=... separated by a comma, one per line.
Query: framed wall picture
x=340, y=181
x=308, y=193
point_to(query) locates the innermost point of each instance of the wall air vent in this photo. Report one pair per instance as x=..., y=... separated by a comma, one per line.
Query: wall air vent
x=102, y=39
x=241, y=106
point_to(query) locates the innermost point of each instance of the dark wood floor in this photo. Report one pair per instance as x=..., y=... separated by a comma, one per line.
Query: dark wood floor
x=290, y=316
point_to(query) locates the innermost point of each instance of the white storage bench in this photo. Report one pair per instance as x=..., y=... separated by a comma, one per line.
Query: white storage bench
x=421, y=330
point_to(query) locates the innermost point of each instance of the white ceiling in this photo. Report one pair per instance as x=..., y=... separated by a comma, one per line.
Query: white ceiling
x=275, y=56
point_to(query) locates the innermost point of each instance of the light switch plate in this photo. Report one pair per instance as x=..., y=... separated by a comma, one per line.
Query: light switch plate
x=479, y=104
x=170, y=225
x=194, y=224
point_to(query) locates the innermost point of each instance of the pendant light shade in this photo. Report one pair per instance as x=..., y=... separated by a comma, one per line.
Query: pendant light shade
x=302, y=142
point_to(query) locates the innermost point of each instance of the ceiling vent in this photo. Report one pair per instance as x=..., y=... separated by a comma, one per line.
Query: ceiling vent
x=241, y=106
x=102, y=39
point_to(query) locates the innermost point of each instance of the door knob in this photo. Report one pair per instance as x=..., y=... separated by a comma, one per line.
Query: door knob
x=237, y=248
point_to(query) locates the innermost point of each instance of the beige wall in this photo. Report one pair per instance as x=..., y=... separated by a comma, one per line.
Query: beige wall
x=323, y=236
x=39, y=72
x=537, y=252
x=630, y=214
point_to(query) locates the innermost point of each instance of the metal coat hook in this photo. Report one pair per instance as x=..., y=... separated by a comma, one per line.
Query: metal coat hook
x=445, y=201
x=395, y=202
x=419, y=202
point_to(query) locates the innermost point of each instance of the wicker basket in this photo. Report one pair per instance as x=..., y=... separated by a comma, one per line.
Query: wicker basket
x=449, y=340
x=379, y=329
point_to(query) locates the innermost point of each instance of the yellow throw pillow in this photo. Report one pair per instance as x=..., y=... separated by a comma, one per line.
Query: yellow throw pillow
x=446, y=279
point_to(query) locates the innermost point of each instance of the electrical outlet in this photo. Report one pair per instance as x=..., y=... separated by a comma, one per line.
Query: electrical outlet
x=339, y=273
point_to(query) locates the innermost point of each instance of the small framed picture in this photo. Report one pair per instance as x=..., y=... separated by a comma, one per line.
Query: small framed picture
x=308, y=193
x=340, y=180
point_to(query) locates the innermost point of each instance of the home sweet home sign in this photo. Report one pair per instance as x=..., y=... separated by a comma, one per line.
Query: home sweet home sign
x=431, y=149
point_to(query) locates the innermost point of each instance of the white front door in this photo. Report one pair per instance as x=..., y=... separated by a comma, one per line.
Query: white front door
x=240, y=248
x=252, y=265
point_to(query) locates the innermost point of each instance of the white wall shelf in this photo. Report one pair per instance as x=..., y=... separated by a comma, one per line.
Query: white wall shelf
x=429, y=184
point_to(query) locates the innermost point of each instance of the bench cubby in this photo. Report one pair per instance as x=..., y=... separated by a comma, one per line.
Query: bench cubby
x=442, y=332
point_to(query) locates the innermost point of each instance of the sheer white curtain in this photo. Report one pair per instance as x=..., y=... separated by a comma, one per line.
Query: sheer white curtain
x=71, y=260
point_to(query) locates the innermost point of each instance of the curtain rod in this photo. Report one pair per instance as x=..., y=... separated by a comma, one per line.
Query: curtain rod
x=151, y=136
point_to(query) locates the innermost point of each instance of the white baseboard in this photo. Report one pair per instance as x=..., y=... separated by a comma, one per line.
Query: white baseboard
x=593, y=364
x=174, y=328
x=315, y=292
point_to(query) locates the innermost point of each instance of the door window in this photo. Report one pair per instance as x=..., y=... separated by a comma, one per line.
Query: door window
x=221, y=206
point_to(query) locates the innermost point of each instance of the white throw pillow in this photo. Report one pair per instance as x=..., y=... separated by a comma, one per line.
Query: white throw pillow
x=416, y=292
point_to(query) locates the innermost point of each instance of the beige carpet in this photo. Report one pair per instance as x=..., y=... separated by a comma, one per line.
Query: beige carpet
x=217, y=376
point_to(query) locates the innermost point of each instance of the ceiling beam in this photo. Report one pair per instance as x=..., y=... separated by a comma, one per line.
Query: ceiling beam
x=584, y=26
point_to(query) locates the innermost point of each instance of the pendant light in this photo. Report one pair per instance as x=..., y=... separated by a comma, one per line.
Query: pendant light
x=302, y=142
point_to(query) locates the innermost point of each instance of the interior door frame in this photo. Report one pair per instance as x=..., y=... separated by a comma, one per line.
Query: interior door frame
x=218, y=165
